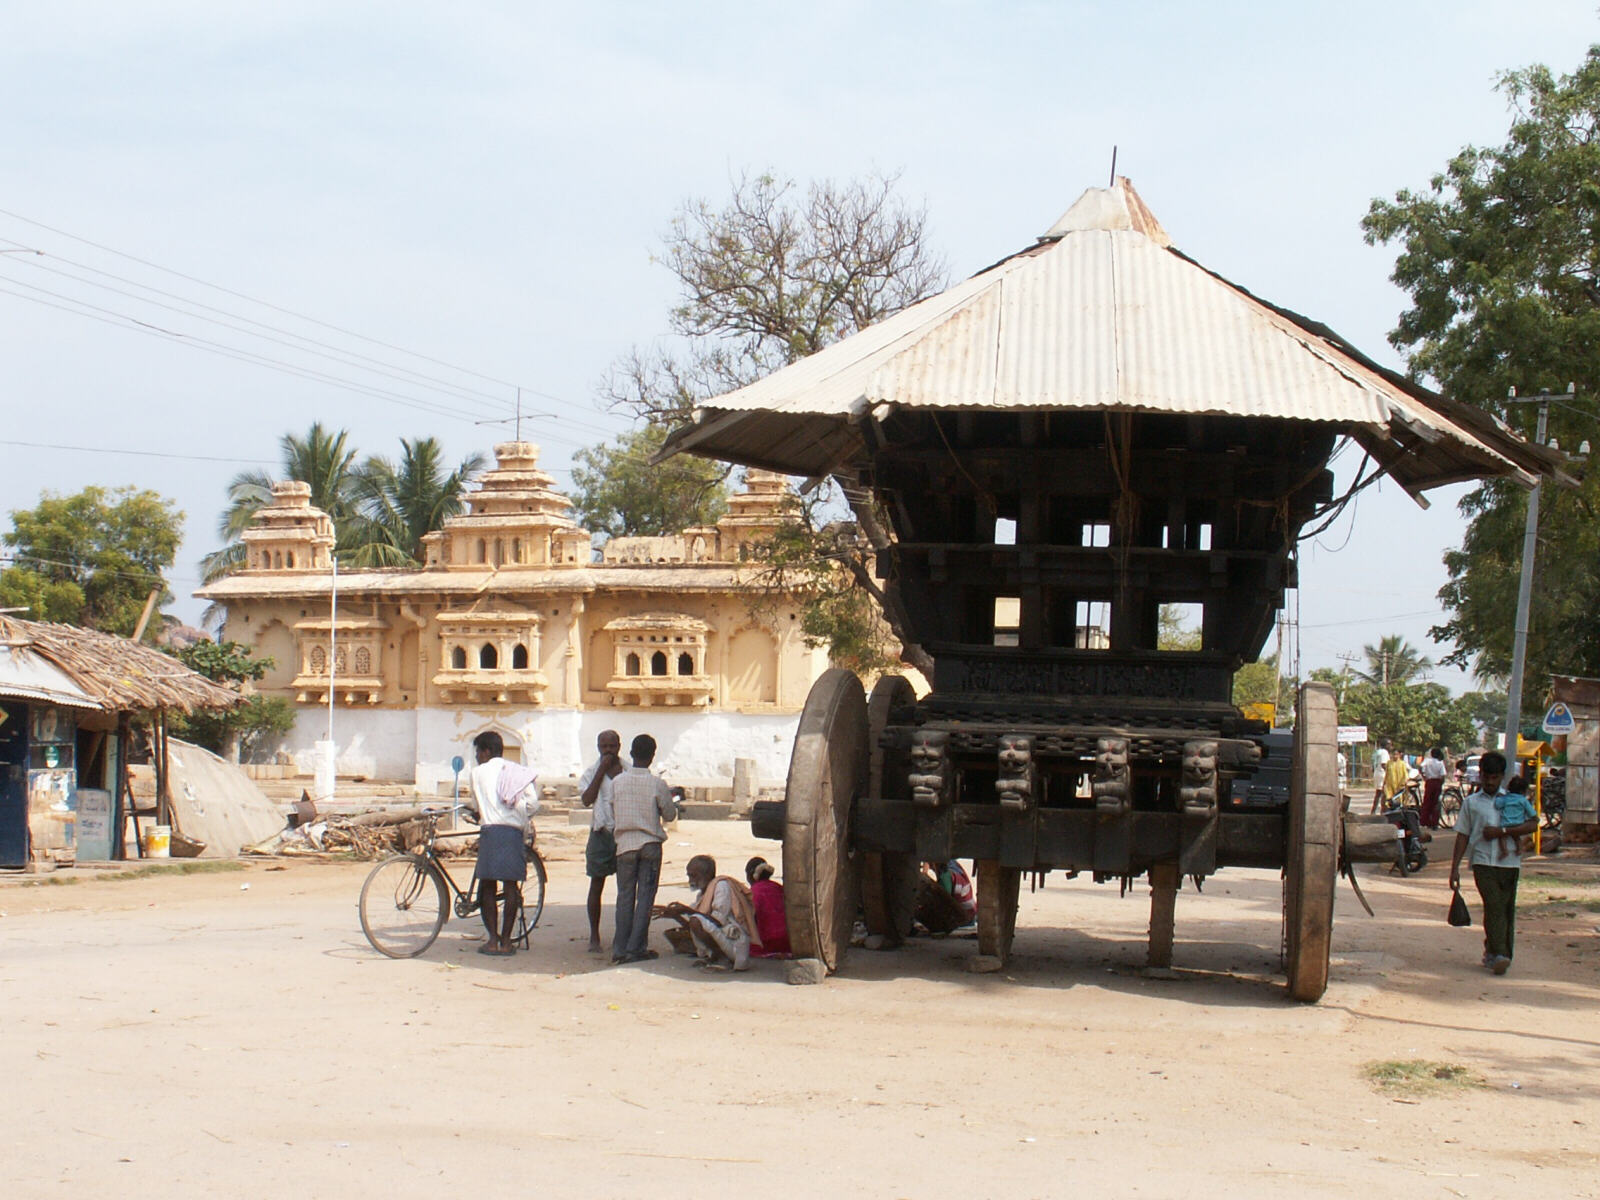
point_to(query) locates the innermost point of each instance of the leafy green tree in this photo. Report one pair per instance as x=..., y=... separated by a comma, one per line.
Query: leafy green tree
x=41, y=598
x=324, y=459
x=1501, y=258
x=1258, y=683
x=1393, y=660
x=1415, y=715
x=396, y=505
x=109, y=546
x=820, y=564
x=771, y=276
x=618, y=492
x=235, y=734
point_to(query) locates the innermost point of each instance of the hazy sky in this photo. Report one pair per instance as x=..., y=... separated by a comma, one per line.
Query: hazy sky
x=484, y=185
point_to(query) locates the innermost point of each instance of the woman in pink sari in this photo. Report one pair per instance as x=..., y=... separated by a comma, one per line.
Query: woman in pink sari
x=766, y=897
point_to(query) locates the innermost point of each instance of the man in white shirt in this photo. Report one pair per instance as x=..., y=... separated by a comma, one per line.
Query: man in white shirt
x=1433, y=773
x=1496, y=863
x=506, y=796
x=1380, y=764
x=600, y=853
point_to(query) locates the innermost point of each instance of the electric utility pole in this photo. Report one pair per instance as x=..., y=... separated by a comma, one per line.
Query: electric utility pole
x=1530, y=541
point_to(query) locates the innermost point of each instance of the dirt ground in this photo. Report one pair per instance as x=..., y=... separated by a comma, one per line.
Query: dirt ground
x=232, y=1034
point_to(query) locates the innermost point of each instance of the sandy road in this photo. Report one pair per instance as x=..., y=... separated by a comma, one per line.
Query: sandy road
x=187, y=1036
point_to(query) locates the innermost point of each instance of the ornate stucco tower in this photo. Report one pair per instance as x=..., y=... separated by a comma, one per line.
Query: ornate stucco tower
x=514, y=623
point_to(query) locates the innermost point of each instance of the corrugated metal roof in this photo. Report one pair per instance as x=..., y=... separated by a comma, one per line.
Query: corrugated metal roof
x=1101, y=315
x=28, y=676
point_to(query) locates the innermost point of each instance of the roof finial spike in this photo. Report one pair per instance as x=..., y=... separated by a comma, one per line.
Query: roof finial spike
x=1113, y=181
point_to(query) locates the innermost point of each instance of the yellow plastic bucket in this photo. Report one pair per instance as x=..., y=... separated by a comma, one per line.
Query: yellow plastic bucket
x=158, y=841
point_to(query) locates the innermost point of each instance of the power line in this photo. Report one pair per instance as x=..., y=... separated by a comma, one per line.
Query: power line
x=406, y=374
x=253, y=462
x=116, y=319
x=402, y=376
x=289, y=312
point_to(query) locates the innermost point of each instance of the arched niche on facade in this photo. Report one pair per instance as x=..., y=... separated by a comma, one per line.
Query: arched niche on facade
x=275, y=641
x=598, y=664
x=753, y=668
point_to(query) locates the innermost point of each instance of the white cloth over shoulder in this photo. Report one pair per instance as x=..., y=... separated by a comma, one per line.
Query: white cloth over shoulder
x=492, y=808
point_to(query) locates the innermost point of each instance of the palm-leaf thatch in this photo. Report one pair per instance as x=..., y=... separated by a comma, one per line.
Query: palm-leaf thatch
x=118, y=673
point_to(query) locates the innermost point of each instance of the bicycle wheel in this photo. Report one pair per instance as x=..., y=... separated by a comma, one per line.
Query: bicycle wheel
x=532, y=899
x=1449, y=807
x=403, y=906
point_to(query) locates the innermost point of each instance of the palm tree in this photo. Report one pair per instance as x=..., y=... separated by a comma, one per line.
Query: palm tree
x=323, y=459
x=396, y=506
x=1394, y=660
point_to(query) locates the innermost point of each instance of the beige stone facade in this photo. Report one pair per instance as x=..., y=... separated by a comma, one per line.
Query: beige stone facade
x=511, y=625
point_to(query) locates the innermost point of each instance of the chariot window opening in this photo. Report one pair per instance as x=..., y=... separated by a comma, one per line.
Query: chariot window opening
x=1007, y=620
x=1005, y=531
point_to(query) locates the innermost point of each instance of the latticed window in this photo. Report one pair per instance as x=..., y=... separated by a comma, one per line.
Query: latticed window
x=340, y=662
x=319, y=661
x=363, y=661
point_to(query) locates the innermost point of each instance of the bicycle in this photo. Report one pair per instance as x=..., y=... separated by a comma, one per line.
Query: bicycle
x=1450, y=800
x=404, y=902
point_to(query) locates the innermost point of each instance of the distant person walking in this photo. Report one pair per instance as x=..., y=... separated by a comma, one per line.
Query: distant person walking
x=600, y=852
x=1433, y=773
x=1380, y=766
x=507, y=796
x=1496, y=861
x=640, y=802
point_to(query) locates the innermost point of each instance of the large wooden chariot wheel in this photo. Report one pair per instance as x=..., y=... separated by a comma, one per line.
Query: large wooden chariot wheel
x=1311, y=860
x=827, y=771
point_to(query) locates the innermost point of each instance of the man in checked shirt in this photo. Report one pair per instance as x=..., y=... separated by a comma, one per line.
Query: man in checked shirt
x=640, y=801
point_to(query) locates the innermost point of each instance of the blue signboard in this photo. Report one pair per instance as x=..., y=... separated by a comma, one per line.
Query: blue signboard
x=1559, y=719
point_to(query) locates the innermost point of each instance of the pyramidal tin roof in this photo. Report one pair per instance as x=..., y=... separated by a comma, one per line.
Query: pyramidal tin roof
x=1103, y=314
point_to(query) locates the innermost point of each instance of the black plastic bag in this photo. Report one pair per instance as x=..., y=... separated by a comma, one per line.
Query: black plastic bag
x=1460, y=915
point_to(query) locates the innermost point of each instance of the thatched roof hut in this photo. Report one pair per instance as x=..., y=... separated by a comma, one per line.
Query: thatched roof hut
x=113, y=673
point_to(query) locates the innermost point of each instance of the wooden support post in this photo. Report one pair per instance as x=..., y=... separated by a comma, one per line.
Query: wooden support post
x=998, y=892
x=1163, y=903
x=164, y=787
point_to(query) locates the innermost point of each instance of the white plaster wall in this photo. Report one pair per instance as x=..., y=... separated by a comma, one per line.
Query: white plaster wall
x=404, y=745
x=692, y=748
x=374, y=743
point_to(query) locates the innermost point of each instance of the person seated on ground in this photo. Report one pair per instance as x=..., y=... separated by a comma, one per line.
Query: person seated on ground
x=721, y=922
x=766, y=898
x=1514, y=808
x=506, y=795
x=944, y=898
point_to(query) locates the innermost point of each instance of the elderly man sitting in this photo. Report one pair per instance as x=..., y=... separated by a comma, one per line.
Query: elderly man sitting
x=722, y=921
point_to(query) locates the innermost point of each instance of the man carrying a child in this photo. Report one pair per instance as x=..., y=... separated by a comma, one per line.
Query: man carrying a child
x=1487, y=831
